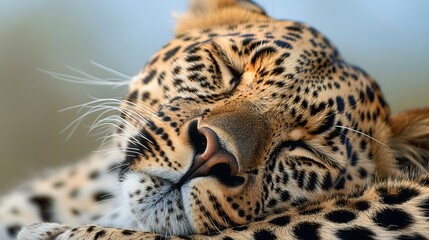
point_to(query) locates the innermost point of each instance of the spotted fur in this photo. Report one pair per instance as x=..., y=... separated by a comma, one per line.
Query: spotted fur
x=311, y=149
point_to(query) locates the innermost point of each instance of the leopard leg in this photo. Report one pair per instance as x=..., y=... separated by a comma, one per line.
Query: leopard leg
x=396, y=209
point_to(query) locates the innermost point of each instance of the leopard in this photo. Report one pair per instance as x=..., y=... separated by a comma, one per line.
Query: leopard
x=241, y=127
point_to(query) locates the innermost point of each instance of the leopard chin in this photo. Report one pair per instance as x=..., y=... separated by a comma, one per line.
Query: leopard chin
x=156, y=205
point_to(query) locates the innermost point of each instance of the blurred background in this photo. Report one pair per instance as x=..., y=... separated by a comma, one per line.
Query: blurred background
x=387, y=38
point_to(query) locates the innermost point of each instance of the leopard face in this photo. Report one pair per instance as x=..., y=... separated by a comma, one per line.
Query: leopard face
x=236, y=120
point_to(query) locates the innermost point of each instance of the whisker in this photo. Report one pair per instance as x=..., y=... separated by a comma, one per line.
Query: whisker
x=86, y=78
x=113, y=82
x=116, y=167
x=109, y=69
x=96, y=79
x=364, y=134
x=110, y=213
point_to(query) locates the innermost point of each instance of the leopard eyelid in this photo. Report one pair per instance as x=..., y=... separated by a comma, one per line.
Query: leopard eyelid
x=314, y=151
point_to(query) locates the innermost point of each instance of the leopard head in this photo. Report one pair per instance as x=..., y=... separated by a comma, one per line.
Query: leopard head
x=240, y=116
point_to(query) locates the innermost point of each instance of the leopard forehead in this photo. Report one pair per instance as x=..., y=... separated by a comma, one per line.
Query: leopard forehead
x=298, y=119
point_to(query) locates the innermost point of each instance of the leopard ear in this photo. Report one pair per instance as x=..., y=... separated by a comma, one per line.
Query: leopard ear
x=204, y=14
x=410, y=140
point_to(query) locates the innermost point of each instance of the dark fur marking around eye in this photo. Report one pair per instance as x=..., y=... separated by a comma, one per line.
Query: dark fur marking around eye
x=262, y=52
x=236, y=75
x=327, y=124
x=44, y=204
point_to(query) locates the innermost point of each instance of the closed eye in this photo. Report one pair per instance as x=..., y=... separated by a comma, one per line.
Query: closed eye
x=233, y=68
x=315, y=153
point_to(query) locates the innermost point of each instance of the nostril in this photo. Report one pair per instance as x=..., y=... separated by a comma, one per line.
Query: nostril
x=198, y=140
x=210, y=159
x=222, y=171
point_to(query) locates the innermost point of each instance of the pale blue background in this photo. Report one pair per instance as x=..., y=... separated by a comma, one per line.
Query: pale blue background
x=388, y=38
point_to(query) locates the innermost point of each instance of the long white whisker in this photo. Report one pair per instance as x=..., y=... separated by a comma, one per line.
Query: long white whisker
x=104, y=101
x=98, y=81
x=111, y=212
x=109, y=70
x=75, y=123
x=364, y=134
x=114, y=82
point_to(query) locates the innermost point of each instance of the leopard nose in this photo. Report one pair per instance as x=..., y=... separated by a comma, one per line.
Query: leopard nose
x=210, y=158
x=214, y=156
